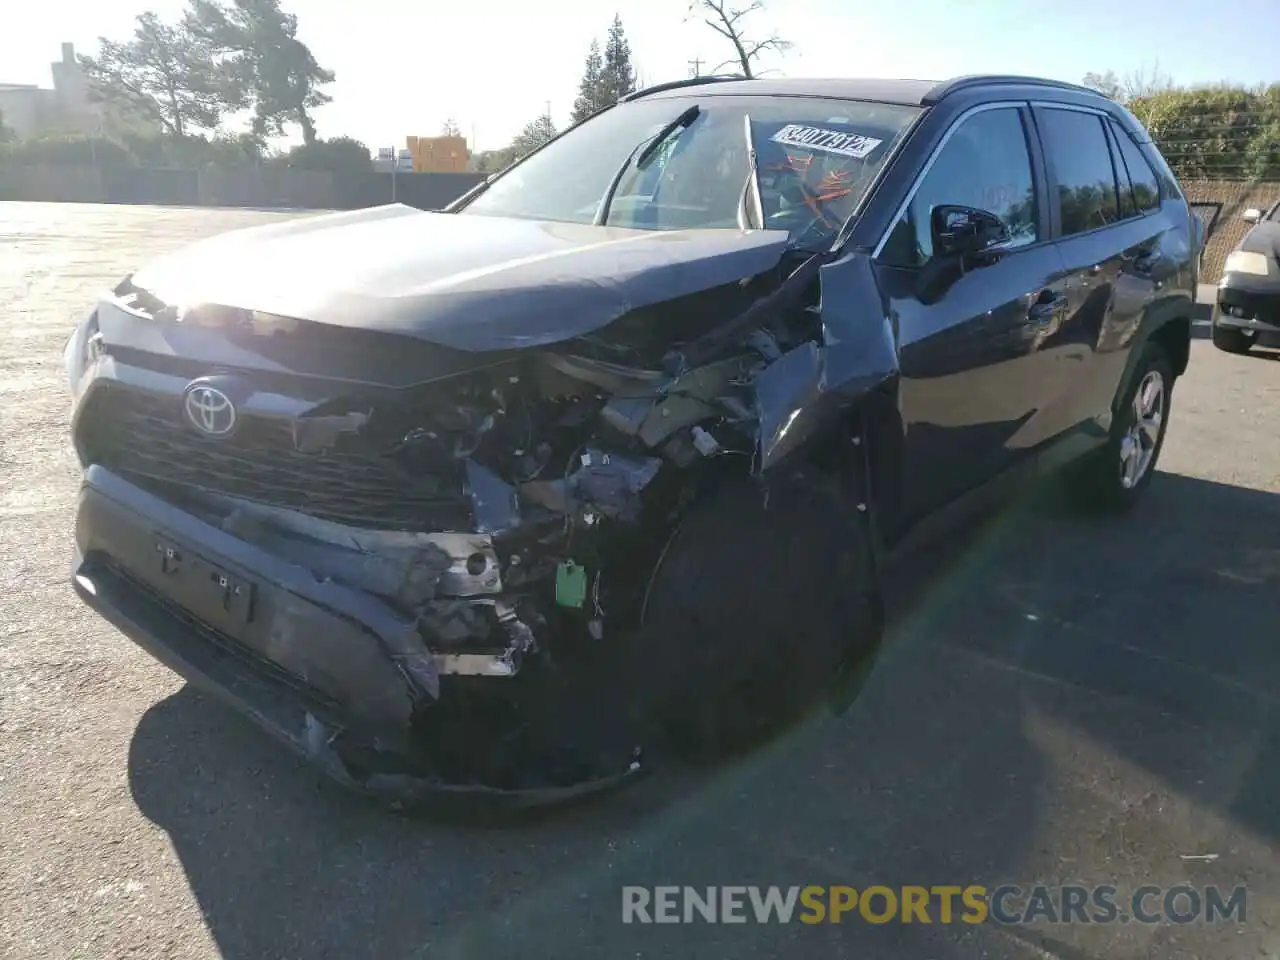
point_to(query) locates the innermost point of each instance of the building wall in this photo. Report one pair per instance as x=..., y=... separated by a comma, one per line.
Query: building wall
x=68, y=108
x=26, y=108
x=71, y=91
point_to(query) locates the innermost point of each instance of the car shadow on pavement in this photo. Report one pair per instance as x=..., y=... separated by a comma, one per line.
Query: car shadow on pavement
x=1060, y=699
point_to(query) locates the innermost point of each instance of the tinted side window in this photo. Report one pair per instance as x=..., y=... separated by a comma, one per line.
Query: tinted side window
x=985, y=164
x=1127, y=206
x=1146, y=188
x=1077, y=148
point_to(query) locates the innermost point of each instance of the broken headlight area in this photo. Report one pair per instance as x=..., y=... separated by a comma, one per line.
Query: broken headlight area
x=534, y=501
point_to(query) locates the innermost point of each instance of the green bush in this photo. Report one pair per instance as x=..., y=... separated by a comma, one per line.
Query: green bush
x=341, y=155
x=1215, y=133
x=68, y=150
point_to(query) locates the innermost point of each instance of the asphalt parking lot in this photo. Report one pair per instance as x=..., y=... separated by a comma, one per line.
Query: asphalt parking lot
x=1066, y=701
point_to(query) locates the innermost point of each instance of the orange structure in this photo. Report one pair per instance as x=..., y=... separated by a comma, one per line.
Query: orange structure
x=439, y=154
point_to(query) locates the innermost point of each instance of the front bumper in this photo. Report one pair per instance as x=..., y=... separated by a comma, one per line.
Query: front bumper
x=313, y=663
x=1256, y=311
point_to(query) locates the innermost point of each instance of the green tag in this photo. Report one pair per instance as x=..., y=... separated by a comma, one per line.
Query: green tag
x=571, y=585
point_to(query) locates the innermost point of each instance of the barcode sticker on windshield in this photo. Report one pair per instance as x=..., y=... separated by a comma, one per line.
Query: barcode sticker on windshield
x=829, y=141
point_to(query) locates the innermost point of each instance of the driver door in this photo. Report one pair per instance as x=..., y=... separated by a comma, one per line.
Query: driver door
x=974, y=384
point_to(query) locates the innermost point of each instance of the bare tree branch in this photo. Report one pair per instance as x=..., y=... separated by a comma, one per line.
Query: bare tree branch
x=727, y=20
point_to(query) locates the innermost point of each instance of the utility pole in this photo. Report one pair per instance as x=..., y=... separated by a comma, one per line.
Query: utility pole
x=695, y=67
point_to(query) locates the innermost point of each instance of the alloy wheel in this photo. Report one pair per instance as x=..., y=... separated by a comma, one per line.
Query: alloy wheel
x=1138, y=445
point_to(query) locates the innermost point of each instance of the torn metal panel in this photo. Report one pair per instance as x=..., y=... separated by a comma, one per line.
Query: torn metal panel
x=413, y=567
x=787, y=392
x=800, y=394
x=608, y=482
x=656, y=409
x=672, y=414
x=728, y=335
x=692, y=397
x=494, y=504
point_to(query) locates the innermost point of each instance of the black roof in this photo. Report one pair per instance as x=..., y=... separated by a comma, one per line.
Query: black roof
x=916, y=93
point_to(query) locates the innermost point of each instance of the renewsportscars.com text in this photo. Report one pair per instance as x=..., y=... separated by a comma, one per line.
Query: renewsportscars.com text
x=1006, y=904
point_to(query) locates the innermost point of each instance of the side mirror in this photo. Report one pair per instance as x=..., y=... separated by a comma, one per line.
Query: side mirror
x=965, y=232
x=1252, y=215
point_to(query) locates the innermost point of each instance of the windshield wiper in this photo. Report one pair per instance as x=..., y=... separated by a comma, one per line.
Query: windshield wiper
x=640, y=155
x=752, y=187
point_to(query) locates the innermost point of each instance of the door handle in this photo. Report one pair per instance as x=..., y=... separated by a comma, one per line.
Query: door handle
x=1046, y=305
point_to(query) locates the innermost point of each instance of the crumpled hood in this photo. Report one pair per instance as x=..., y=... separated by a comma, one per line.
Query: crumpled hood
x=465, y=281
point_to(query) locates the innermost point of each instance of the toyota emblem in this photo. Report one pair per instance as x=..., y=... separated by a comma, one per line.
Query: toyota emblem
x=209, y=410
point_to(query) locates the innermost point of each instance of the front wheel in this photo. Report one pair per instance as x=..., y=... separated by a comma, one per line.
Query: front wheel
x=756, y=605
x=1115, y=477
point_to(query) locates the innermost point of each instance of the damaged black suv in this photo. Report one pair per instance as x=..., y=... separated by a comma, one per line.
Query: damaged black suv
x=622, y=443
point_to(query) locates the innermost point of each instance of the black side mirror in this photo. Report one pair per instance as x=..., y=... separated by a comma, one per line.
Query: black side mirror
x=965, y=232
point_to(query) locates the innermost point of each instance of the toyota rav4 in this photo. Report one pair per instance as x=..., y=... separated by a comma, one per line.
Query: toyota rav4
x=624, y=442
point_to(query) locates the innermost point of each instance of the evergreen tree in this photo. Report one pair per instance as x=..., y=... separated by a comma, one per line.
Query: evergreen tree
x=165, y=74
x=535, y=134
x=591, y=96
x=617, y=78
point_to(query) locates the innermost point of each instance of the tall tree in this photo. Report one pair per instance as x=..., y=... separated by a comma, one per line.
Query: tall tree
x=164, y=73
x=617, y=76
x=450, y=128
x=256, y=42
x=727, y=20
x=591, y=96
x=535, y=134
x=6, y=133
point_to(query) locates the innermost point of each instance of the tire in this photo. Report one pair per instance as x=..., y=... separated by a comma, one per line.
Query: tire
x=1231, y=340
x=1115, y=477
x=753, y=610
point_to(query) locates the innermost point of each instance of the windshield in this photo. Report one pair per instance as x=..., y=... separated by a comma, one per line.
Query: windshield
x=815, y=158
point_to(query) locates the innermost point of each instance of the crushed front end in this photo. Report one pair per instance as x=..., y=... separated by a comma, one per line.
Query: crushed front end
x=422, y=567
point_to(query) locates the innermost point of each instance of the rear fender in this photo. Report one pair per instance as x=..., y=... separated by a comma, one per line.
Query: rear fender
x=1167, y=323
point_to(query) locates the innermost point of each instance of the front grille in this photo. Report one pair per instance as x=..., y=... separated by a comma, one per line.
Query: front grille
x=144, y=437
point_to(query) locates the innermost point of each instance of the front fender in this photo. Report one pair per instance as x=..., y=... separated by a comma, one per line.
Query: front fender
x=803, y=393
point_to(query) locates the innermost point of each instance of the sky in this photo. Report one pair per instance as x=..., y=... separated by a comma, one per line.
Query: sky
x=406, y=66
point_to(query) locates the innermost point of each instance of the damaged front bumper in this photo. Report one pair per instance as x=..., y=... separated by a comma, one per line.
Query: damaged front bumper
x=330, y=670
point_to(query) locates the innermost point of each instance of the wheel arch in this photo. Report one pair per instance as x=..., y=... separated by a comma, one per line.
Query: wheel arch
x=1168, y=326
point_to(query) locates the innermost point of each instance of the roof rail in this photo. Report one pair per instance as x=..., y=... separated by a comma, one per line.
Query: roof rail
x=677, y=84
x=948, y=87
